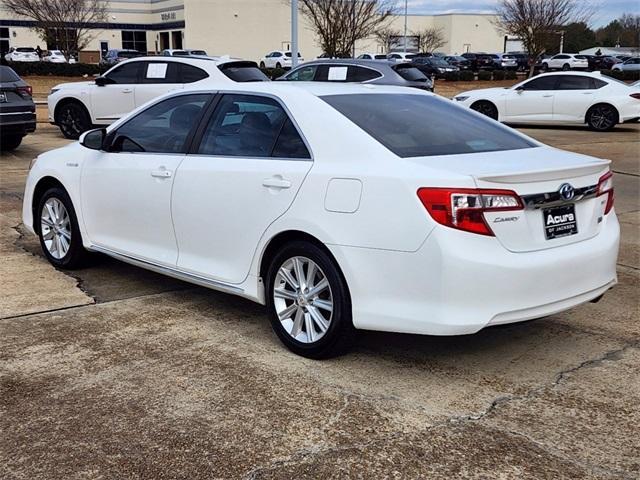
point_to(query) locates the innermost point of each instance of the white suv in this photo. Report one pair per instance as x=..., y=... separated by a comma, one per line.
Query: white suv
x=22, y=54
x=75, y=107
x=278, y=59
x=566, y=61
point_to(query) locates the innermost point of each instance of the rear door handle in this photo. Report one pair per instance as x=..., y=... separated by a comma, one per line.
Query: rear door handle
x=161, y=173
x=276, y=182
x=547, y=96
x=127, y=90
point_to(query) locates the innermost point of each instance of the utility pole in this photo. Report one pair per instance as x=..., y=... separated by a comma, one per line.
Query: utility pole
x=294, y=33
x=405, y=24
x=561, y=32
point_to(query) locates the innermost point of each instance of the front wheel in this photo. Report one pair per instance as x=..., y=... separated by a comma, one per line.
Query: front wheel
x=58, y=230
x=602, y=118
x=73, y=120
x=309, y=302
x=486, y=108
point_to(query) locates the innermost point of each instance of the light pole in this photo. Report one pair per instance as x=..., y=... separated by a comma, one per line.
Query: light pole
x=405, y=24
x=561, y=32
x=294, y=33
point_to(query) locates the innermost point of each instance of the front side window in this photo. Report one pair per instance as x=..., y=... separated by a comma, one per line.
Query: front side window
x=541, y=83
x=404, y=123
x=303, y=74
x=161, y=128
x=126, y=73
x=571, y=82
x=251, y=126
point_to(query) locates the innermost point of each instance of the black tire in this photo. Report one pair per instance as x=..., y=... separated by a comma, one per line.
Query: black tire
x=278, y=65
x=602, y=118
x=544, y=67
x=566, y=67
x=76, y=256
x=262, y=65
x=486, y=108
x=340, y=333
x=10, y=142
x=73, y=120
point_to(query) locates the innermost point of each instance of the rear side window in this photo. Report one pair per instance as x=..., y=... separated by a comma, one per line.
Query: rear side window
x=361, y=74
x=574, y=82
x=251, y=126
x=410, y=74
x=541, y=83
x=160, y=72
x=126, y=73
x=8, y=75
x=423, y=125
x=190, y=74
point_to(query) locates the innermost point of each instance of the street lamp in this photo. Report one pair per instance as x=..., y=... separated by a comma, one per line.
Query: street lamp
x=294, y=33
x=405, y=24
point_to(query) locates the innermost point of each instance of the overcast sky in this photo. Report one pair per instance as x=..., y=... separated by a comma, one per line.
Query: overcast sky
x=606, y=10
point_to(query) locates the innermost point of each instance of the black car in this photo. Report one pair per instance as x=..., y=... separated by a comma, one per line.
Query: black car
x=522, y=59
x=433, y=66
x=458, y=61
x=17, y=110
x=602, y=62
x=480, y=61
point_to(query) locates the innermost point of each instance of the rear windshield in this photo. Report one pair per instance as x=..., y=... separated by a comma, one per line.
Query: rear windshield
x=180, y=53
x=411, y=74
x=198, y=52
x=130, y=54
x=380, y=57
x=288, y=54
x=25, y=49
x=581, y=57
x=243, y=72
x=8, y=75
x=424, y=125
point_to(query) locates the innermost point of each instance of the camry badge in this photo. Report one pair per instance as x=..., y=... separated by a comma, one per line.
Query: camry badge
x=566, y=191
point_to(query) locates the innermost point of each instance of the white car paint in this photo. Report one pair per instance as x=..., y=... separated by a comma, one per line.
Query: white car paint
x=54, y=56
x=22, y=54
x=105, y=104
x=400, y=57
x=210, y=219
x=279, y=59
x=631, y=65
x=566, y=61
x=517, y=104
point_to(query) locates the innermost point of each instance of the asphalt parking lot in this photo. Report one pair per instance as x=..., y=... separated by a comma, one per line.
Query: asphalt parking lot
x=116, y=372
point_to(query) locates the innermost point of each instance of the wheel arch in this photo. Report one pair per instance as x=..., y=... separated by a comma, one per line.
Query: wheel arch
x=44, y=184
x=66, y=101
x=491, y=102
x=598, y=104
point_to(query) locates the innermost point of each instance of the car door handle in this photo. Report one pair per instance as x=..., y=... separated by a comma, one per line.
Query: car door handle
x=127, y=90
x=161, y=173
x=276, y=182
x=547, y=96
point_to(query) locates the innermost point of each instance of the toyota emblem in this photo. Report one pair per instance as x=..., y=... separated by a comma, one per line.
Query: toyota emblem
x=566, y=191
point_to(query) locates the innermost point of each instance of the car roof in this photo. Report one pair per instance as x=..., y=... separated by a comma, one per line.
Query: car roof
x=352, y=61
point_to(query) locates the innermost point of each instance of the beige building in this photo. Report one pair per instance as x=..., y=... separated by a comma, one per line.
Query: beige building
x=240, y=28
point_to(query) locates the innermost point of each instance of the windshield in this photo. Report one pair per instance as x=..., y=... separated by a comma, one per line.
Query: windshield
x=380, y=57
x=424, y=125
x=129, y=54
x=438, y=62
x=180, y=53
x=411, y=74
x=198, y=52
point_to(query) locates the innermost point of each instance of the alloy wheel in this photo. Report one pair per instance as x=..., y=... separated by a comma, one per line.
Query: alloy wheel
x=55, y=226
x=303, y=299
x=71, y=122
x=602, y=118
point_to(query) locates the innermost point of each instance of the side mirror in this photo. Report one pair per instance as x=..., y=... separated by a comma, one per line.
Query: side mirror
x=93, y=139
x=102, y=81
x=520, y=89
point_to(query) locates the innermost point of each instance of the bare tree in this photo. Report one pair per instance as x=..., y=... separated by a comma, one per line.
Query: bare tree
x=430, y=39
x=385, y=35
x=340, y=23
x=534, y=21
x=65, y=23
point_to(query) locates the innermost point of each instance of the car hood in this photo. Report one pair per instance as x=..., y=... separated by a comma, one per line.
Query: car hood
x=483, y=92
x=61, y=86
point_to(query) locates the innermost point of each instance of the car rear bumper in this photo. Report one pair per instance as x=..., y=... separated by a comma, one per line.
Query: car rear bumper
x=458, y=283
x=17, y=123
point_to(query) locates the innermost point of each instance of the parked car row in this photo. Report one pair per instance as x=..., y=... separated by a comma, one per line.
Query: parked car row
x=30, y=54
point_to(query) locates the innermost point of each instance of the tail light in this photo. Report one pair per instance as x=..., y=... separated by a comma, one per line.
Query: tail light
x=463, y=208
x=605, y=187
x=635, y=95
x=27, y=90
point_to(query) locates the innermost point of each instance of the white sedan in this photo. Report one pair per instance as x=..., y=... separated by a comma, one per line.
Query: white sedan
x=340, y=207
x=75, y=107
x=574, y=98
x=54, y=56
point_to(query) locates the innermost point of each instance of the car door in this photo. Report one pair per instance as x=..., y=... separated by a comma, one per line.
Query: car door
x=531, y=101
x=574, y=95
x=115, y=98
x=157, y=78
x=244, y=171
x=126, y=189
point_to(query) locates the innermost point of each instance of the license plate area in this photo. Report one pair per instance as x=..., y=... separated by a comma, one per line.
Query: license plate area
x=559, y=221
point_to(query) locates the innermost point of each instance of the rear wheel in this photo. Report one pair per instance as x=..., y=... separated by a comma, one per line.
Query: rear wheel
x=309, y=302
x=278, y=65
x=58, y=230
x=566, y=67
x=73, y=120
x=545, y=67
x=602, y=117
x=262, y=65
x=10, y=142
x=486, y=108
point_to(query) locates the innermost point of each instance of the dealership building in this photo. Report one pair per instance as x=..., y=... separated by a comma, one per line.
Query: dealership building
x=241, y=28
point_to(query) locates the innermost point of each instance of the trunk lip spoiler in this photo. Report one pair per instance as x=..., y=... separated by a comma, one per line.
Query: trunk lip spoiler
x=556, y=173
